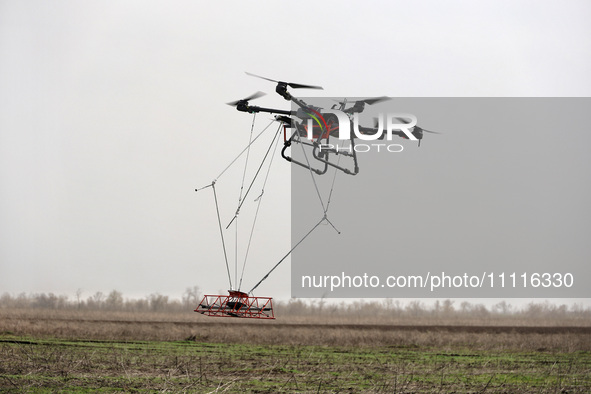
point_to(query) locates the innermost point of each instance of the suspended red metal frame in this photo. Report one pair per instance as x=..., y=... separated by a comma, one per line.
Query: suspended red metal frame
x=237, y=304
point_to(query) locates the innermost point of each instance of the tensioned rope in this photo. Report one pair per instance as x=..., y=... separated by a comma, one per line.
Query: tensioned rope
x=324, y=218
x=212, y=185
x=254, y=117
x=255, y=177
x=284, y=257
x=334, y=178
x=243, y=198
x=259, y=199
x=215, y=196
x=312, y=175
x=237, y=157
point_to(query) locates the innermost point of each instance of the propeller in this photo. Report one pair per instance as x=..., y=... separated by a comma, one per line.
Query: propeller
x=375, y=100
x=244, y=100
x=369, y=101
x=432, y=132
x=290, y=84
x=402, y=120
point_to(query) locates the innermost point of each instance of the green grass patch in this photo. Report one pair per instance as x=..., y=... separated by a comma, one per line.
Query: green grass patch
x=50, y=365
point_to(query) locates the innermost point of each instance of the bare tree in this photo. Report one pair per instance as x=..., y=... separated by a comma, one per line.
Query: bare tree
x=78, y=296
x=192, y=296
x=114, y=300
x=158, y=302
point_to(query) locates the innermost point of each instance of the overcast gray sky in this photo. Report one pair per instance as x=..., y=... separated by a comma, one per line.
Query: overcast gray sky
x=111, y=113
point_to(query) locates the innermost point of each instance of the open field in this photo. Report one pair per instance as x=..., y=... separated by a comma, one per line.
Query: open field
x=50, y=351
x=29, y=364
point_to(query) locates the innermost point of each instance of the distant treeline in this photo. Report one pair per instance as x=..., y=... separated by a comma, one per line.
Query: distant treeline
x=115, y=301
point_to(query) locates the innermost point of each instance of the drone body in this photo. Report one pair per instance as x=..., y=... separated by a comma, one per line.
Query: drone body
x=314, y=126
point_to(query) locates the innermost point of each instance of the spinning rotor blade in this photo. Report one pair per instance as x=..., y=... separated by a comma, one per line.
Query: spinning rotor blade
x=368, y=101
x=375, y=100
x=290, y=84
x=251, y=97
x=404, y=121
x=359, y=105
x=432, y=132
x=258, y=76
x=301, y=86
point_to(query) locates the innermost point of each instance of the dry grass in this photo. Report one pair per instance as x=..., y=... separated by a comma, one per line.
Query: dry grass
x=116, y=326
x=55, y=350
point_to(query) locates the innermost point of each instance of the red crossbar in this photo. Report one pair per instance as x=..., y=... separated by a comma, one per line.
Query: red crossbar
x=237, y=304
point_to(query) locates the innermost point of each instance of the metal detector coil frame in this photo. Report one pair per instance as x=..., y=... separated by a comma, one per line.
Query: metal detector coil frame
x=236, y=304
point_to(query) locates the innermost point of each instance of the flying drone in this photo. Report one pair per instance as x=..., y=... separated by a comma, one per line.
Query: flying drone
x=313, y=127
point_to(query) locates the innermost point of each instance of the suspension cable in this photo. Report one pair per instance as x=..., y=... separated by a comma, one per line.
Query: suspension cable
x=288, y=253
x=247, y=156
x=255, y=177
x=235, y=251
x=325, y=208
x=324, y=218
x=242, y=198
x=212, y=185
x=221, y=232
x=258, y=200
x=244, y=150
x=312, y=175
x=332, y=186
x=254, y=116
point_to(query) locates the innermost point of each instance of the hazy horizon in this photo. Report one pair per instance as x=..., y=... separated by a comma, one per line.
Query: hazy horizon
x=111, y=114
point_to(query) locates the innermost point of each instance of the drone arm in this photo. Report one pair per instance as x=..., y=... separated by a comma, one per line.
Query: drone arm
x=253, y=109
x=299, y=103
